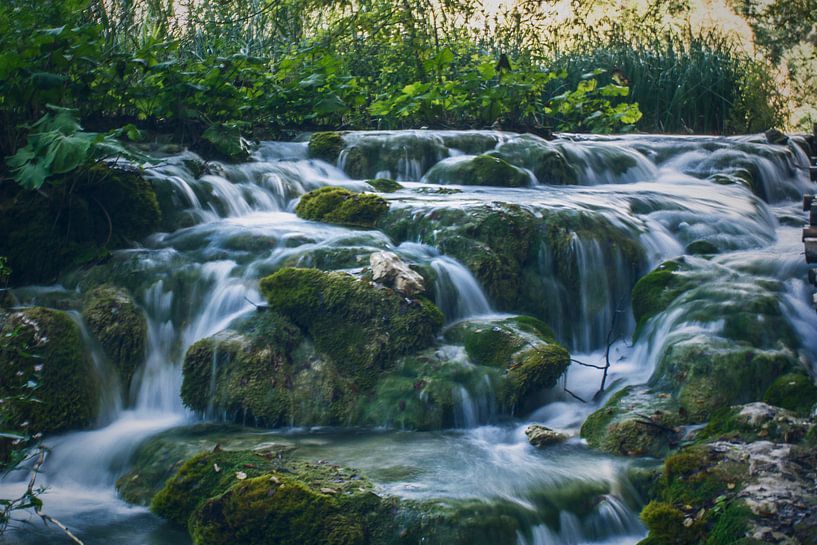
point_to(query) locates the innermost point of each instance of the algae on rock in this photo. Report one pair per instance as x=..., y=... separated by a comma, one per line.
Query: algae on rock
x=333, y=204
x=67, y=387
x=120, y=327
x=483, y=170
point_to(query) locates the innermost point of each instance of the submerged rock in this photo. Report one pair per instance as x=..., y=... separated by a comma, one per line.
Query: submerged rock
x=385, y=185
x=42, y=354
x=120, y=327
x=636, y=421
x=540, y=436
x=333, y=204
x=484, y=170
x=388, y=269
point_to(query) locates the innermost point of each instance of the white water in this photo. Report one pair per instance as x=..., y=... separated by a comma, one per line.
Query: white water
x=195, y=281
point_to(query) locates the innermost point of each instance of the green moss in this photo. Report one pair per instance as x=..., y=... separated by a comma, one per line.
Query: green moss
x=361, y=327
x=333, y=204
x=120, y=327
x=655, y=290
x=793, y=391
x=483, y=170
x=73, y=221
x=253, y=374
x=636, y=421
x=666, y=524
x=523, y=345
x=420, y=392
x=755, y=422
x=326, y=146
x=264, y=498
x=385, y=185
x=536, y=369
x=708, y=373
x=66, y=384
x=701, y=247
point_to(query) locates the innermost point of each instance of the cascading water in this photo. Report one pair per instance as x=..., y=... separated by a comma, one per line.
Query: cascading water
x=653, y=196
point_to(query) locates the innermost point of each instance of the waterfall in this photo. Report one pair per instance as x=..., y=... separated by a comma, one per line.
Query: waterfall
x=637, y=201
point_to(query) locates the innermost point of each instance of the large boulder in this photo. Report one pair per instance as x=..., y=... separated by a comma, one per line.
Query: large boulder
x=361, y=327
x=42, y=356
x=120, y=326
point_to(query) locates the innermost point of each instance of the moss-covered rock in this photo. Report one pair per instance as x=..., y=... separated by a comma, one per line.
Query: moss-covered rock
x=45, y=346
x=333, y=204
x=636, y=421
x=494, y=342
x=361, y=327
x=709, y=373
x=701, y=247
x=314, y=357
x=755, y=422
x=385, y=185
x=656, y=290
x=120, y=327
x=545, y=160
x=326, y=146
x=484, y=170
x=260, y=497
x=793, y=391
x=424, y=392
x=734, y=492
x=522, y=345
x=73, y=221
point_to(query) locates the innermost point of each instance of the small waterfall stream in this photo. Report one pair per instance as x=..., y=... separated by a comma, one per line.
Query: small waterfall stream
x=233, y=224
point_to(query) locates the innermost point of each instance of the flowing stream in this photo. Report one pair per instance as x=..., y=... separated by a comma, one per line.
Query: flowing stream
x=236, y=223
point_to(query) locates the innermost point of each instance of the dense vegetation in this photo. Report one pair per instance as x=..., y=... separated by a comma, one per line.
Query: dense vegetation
x=211, y=71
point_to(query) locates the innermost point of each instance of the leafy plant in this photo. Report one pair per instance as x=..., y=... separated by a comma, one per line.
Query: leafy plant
x=58, y=145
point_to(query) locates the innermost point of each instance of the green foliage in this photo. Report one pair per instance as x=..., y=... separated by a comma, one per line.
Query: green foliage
x=339, y=205
x=74, y=220
x=58, y=145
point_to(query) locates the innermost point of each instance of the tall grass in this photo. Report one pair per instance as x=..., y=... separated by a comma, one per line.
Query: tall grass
x=695, y=82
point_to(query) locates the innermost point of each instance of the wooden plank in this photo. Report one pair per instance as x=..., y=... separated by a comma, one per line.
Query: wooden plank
x=812, y=171
x=809, y=232
x=811, y=250
x=812, y=215
x=812, y=276
x=807, y=200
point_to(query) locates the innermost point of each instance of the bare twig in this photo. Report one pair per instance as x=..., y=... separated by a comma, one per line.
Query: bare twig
x=28, y=499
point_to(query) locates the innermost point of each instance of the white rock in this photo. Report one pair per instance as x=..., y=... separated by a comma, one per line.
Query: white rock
x=389, y=270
